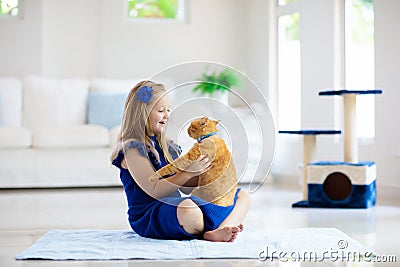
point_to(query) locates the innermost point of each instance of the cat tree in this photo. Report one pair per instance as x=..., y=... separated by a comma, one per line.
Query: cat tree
x=338, y=184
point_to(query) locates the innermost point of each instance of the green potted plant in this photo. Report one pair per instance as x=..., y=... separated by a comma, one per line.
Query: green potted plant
x=215, y=82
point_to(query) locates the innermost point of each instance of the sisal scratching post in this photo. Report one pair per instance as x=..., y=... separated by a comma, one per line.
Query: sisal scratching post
x=350, y=128
x=309, y=142
x=350, y=119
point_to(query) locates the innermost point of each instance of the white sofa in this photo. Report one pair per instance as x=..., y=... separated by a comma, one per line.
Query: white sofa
x=60, y=132
x=51, y=134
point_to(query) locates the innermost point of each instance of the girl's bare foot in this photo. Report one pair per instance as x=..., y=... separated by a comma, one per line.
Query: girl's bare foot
x=225, y=234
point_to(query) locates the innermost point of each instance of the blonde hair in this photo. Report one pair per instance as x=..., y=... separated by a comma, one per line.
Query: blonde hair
x=135, y=124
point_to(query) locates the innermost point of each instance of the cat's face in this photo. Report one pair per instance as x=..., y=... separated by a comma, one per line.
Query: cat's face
x=202, y=126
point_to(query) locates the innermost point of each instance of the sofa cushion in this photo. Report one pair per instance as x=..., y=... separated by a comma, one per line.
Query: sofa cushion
x=11, y=101
x=105, y=109
x=81, y=136
x=54, y=102
x=15, y=137
x=112, y=85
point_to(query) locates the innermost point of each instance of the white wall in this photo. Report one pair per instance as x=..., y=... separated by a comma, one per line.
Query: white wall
x=21, y=41
x=71, y=38
x=130, y=48
x=255, y=39
x=387, y=65
x=93, y=38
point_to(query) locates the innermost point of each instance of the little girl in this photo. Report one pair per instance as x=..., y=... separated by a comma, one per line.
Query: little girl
x=157, y=210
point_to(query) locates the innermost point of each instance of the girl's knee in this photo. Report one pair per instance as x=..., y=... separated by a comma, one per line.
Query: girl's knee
x=244, y=195
x=188, y=210
x=187, y=203
x=190, y=217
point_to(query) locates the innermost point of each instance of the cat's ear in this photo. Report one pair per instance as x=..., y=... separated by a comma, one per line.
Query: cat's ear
x=203, y=120
x=215, y=122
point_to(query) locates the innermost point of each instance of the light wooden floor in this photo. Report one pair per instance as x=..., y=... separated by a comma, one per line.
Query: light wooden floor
x=27, y=214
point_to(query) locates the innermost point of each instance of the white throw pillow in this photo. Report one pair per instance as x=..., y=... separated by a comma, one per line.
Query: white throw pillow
x=54, y=102
x=11, y=101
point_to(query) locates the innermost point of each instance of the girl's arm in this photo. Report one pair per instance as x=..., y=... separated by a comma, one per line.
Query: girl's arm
x=140, y=168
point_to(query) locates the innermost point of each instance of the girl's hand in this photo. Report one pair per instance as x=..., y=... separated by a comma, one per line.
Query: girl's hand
x=200, y=165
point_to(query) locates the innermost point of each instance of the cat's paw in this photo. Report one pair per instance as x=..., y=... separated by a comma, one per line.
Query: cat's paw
x=154, y=177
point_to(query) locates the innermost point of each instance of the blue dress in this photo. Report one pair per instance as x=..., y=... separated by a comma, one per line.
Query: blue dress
x=154, y=218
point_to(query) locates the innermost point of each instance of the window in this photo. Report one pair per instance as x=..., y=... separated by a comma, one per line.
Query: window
x=285, y=2
x=289, y=72
x=9, y=8
x=156, y=9
x=359, y=60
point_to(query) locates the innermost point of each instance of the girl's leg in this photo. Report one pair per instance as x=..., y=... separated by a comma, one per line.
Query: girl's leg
x=190, y=217
x=232, y=225
x=239, y=211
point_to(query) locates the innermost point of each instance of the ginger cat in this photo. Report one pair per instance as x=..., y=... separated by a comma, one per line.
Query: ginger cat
x=219, y=184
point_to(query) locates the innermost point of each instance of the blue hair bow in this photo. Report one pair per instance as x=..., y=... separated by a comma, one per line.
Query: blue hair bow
x=144, y=94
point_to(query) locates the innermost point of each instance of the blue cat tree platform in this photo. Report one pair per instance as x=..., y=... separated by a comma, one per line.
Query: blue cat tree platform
x=338, y=184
